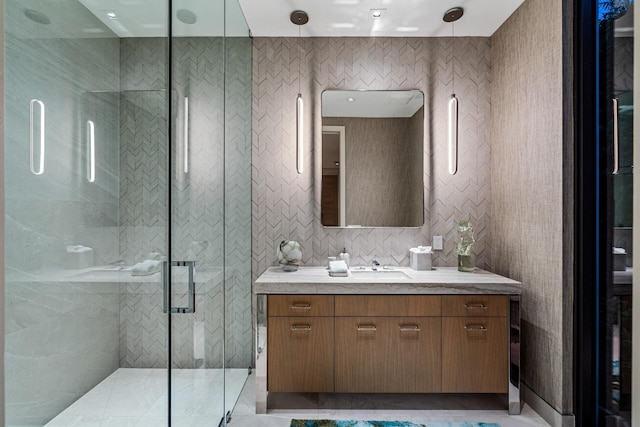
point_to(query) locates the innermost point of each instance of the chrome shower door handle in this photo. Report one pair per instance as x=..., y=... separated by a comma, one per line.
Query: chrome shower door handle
x=40, y=169
x=191, y=307
x=616, y=138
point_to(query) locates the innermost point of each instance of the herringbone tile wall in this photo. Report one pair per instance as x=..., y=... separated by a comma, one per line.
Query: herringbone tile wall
x=210, y=204
x=287, y=205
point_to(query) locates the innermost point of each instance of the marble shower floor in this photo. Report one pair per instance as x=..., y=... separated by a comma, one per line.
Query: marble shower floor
x=132, y=397
x=389, y=407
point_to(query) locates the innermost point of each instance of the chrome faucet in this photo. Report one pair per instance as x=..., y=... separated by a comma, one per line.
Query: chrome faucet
x=375, y=264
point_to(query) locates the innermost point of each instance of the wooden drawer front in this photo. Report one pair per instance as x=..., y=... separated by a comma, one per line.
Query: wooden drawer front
x=388, y=305
x=475, y=305
x=300, y=305
x=475, y=355
x=300, y=354
x=415, y=360
x=388, y=355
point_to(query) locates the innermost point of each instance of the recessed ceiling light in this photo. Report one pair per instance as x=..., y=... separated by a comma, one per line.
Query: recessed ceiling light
x=351, y=99
x=112, y=15
x=377, y=13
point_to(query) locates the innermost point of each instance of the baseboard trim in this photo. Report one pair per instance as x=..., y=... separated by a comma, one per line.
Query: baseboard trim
x=546, y=411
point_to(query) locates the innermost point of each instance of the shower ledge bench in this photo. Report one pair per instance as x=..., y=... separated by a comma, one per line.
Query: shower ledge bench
x=438, y=331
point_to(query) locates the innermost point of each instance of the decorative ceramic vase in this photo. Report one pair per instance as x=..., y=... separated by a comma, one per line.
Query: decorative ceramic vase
x=289, y=255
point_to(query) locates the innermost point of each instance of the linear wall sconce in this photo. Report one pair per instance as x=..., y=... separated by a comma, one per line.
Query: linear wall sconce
x=453, y=15
x=300, y=134
x=453, y=134
x=299, y=18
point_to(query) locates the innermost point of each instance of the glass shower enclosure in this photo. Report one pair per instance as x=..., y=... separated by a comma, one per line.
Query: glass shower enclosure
x=128, y=211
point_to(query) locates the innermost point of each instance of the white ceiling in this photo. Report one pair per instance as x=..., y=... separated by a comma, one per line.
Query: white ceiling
x=270, y=18
x=352, y=18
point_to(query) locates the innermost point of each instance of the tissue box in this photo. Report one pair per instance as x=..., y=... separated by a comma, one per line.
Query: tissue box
x=420, y=258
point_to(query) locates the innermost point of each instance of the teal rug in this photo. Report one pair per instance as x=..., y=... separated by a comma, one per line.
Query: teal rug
x=340, y=423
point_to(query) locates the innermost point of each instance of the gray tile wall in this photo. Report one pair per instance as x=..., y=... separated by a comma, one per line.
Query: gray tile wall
x=530, y=235
x=623, y=57
x=61, y=336
x=287, y=205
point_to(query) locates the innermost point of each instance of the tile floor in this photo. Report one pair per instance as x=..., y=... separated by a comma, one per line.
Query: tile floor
x=138, y=398
x=389, y=407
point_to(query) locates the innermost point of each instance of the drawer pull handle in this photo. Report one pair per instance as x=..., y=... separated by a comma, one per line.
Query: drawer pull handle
x=300, y=306
x=481, y=328
x=475, y=306
x=300, y=327
x=409, y=328
x=367, y=328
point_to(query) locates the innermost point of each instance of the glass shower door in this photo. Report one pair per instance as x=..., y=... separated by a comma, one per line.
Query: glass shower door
x=210, y=211
x=86, y=217
x=616, y=25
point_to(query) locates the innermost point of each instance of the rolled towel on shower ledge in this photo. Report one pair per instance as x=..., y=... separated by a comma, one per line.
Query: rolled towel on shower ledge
x=146, y=267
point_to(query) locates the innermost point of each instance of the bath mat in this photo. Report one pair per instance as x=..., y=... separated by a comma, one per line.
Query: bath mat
x=341, y=423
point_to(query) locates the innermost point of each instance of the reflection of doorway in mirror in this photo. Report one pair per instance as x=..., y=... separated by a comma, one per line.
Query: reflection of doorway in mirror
x=333, y=195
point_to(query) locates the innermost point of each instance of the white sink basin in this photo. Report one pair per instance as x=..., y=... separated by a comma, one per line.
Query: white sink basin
x=379, y=274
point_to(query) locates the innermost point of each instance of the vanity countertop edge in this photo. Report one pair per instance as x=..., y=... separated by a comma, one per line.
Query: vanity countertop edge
x=442, y=280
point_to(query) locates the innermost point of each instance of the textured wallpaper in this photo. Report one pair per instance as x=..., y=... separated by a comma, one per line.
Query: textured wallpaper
x=528, y=173
x=286, y=205
x=381, y=166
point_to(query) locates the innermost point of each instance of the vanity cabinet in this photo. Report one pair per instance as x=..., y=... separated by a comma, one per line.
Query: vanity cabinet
x=475, y=335
x=300, y=331
x=437, y=331
x=387, y=344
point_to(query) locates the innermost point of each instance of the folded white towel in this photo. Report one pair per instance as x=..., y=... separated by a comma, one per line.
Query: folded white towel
x=345, y=274
x=146, y=267
x=338, y=267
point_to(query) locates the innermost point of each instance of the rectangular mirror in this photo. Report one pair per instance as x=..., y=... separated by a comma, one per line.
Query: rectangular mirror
x=372, y=158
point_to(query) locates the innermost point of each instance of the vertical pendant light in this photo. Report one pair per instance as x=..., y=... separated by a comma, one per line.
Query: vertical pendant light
x=299, y=18
x=453, y=15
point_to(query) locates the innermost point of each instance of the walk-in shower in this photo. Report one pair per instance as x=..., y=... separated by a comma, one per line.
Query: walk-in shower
x=128, y=211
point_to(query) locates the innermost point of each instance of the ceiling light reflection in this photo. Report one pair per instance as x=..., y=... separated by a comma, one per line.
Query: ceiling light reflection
x=346, y=25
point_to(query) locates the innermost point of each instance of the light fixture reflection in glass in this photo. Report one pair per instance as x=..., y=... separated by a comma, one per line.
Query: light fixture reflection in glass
x=453, y=135
x=91, y=152
x=112, y=15
x=185, y=137
x=300, y=133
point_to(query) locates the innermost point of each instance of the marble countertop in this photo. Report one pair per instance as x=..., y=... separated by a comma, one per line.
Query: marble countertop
x=441, y=280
